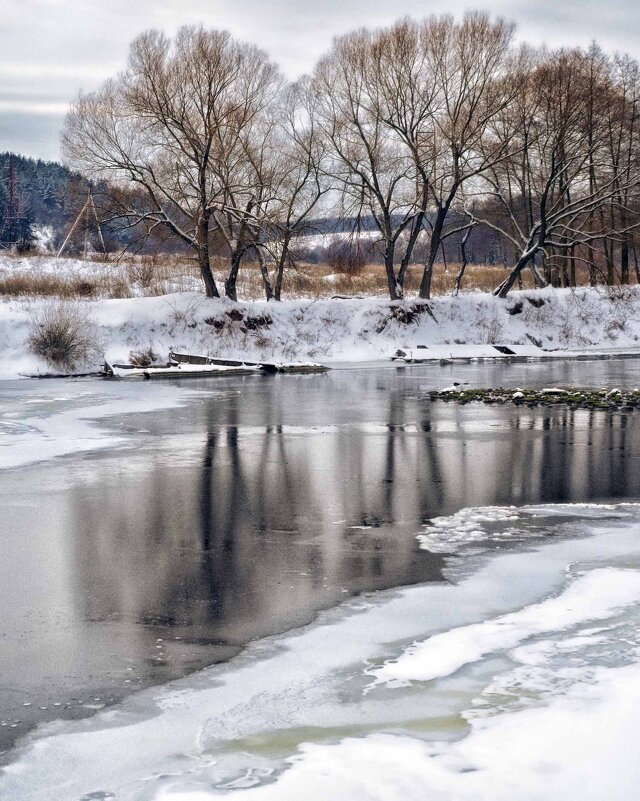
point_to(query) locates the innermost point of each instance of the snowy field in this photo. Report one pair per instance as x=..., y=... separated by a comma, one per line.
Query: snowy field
x=336, y=330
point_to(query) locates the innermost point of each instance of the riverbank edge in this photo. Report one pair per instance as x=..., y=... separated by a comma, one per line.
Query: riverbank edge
x=559, y=322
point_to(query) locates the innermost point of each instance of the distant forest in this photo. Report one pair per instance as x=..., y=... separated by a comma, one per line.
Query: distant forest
x=48, y=194
x=44, y=193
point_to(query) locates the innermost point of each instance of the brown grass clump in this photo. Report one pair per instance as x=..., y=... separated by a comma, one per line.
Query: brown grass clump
x=43, y=285
x=62, y=334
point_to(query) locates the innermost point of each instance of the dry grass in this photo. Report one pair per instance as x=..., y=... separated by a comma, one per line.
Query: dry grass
x=162, y=275
x=145, y=276
x=48, y=286
x=318, y=281
x=62, y=334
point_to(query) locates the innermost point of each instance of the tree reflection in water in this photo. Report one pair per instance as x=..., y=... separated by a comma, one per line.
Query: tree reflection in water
x=274, y=518
x=253, y=507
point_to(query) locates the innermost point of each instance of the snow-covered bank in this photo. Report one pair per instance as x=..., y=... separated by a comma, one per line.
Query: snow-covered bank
x=338, y=330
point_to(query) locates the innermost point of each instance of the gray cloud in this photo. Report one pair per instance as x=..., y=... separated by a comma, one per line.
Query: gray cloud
x=50, y=49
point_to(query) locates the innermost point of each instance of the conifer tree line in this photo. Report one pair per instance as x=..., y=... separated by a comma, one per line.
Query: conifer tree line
x=30, y=191
x=426, y=131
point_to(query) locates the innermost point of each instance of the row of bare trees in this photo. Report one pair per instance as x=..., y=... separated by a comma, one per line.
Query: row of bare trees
x=427, y=128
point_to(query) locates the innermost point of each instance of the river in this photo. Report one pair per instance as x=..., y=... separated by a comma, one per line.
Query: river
x=233, y=548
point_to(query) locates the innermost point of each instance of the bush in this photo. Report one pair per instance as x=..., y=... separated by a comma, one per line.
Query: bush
x=143, y=272
x=142, y=358
x=62, y=334
x=346, y=257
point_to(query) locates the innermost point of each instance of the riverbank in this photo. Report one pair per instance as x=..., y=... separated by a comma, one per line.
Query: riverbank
x=357, y=329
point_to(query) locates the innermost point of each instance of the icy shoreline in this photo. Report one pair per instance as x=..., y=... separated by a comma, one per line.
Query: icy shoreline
x=289, y=718
x=340, y=330
x=70, y=418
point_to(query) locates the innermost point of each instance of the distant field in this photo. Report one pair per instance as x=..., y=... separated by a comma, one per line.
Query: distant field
x=150, y=276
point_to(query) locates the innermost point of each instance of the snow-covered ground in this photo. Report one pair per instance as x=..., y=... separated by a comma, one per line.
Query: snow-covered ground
x=337, y=330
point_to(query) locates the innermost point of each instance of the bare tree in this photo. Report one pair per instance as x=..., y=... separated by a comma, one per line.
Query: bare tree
x=405, y=110
x=373, y=106
x=170, y=123
x=560, y=179
x=247, y=175
x=474, y=73
x=623, y=144
x=299, y=183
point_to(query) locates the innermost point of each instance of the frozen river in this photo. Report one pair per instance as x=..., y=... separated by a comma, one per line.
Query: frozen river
x=262, y=526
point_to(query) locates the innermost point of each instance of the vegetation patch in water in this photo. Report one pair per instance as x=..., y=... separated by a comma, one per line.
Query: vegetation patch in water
x=550, y=396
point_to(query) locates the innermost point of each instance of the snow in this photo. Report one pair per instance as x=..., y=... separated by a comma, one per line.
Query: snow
x=580, y=746
x=176, y=369
x=556, y=719
x=338, y=330
x=477, y=526
x=44, y=237
x=597, y=595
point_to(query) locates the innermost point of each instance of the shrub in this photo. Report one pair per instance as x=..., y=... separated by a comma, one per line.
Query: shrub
x=62, y=334
x=142, y=358
x=143, y=272
x=346, y=257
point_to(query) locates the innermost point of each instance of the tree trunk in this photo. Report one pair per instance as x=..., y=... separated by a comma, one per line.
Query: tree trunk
x=436, y=236
x=607, y=246
x=565, y=271
x=624, y=262
x=277, y=289
x=463, y=262
x=624, y=251
x=206, y=273
x=230, y=283
x=593, y=272
x=572, y=267
x=264, y=272
x=282, y=260
x=538, y=277
x=546, y=269
x=408, y=253
x=502, y=289
x=395, y=289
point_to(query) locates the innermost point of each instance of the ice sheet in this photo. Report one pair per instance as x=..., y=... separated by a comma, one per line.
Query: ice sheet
x=269, y=717
x=594, y=596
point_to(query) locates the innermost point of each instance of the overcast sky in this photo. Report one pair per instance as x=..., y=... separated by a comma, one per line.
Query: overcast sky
x=50, y=49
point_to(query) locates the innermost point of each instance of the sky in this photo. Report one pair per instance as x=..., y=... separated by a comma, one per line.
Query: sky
x=52, y=49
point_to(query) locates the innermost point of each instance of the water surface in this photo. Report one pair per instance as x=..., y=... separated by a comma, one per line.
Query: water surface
x=247, y=505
